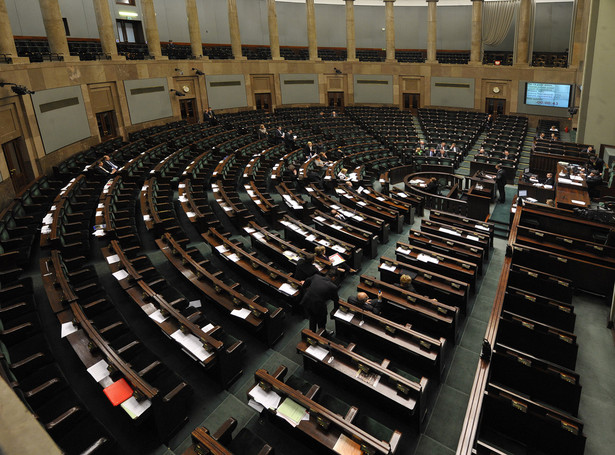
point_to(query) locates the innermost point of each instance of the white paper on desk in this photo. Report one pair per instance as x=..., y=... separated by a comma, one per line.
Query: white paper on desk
x=403, y=250
x=269, y=400
x=105, y=382
x=192, y=344
x=318, y=266
x=344, y=316
x=99, y=370
x=574, y=201
x=358, y=218
x=336, y=259
x=181, y=185
x=448, y=231
x=183, y=198
x=564, y=180
x=120, y=274
x=67, y=328
x=233, y=257
x=576, y=183
x=146, y=217
x=157, y=316
x=390, y=268
x=338, y=248
x=426, y=258
x=249, y=230
x=113, y=259
x=242, y=313
x=195, y=304
x=310, y=238
x=148, y=308
x=290, y=255
x=98, y=233
x=380, y=198
x=548, y=187
x=259, y=235
x=309, y=190
x=482, y=228
x=361, y=203
x=208, y=327
x=324, y=242
x=222, y=248
x=99, y=213
x=471, y=237
x=319, y=218
x=337, y=226
x=190, y=214
x=48, y=218
x=256, y=406
x=46, y=230
x=286, y=288
x=317, y=351
x=576, y=177
x=335, y=207
x=401, y=194
x=258, y=202
x=531, y=199
x=134, y=408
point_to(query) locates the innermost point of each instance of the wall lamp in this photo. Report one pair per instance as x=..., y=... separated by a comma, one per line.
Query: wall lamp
x=18, y=89
x=198, y=72
x=177, y=92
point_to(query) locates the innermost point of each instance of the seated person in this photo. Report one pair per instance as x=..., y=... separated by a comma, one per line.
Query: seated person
x=109, y=165
x=432, y=152
x=418, y=151
x=338, y=215
x=422, y=145
x=554, y=137
x=553, y=128
x=442, y=146
x=290, y=174
x=319, y=163
x=363, y=301
x=343, y=175
x=454, y=149
x=432, y=186
x=405, y=282
x=442, y=153
x=305, y=267
x=589, y=150
x=549, y=180
x=261, y=133
x=320, y=252
x=593, y=181
x=595, y=164
x=482, y=152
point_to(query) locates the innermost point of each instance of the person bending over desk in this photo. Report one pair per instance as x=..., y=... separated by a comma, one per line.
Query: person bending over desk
x=319, y=290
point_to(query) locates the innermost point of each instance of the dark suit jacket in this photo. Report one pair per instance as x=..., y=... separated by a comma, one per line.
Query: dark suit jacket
x=369, y=305
x=549, y=181
x=500, y=178
x=319, y=289
x=304, y=270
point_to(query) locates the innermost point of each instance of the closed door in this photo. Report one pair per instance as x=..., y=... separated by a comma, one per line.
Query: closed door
x=187, y=107
x=18, y=162
x=106, y=125
x=262, y=101
x=336, y=100
x=495, y=106
x=412, y=102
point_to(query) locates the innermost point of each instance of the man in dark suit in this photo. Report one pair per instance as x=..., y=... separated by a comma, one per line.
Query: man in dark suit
x=549, y=180
x=310, y=150
x=363, y=301
x=210, y=117
x=318, y=290
x=500, y=181
x=278, y=135
x=432, y=152
x=305, y=267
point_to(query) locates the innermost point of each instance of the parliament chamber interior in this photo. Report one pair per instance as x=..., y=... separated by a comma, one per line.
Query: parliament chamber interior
x=255, y=227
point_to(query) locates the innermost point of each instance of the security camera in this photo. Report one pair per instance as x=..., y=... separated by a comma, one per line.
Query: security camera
x=17, y=89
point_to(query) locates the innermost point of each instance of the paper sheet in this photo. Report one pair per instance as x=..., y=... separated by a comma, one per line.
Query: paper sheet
x=317, y=351
x=390, y=268
x=207, y=328
x=113, y=259
x=427, y=258
x=148, y=308
x=195, y=304
x=67, y=328
x=222, y=248
x=99, y=370
x=192, y=344
x=574, y=201
x=157, y=316
x=482, y=228
x=134, y=409
x=270, y=400
x=448, y=231
x=233, y=257
x=471, y=237
x=344, y=316
x=120, y=274
x=242, y=313
x=286, y=288
x=338, y=248
x=290, y=411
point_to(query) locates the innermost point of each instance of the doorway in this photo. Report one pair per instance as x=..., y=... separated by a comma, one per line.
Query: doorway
x=336, y=100
x=495, y=106
x=263, y=101
x=412, y=102
x=106, y=125
x=18, y=161
x=187, y=108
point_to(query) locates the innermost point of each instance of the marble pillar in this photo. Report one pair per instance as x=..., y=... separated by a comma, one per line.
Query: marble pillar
x=311, y=29
x=105, y=29
x=7, y=43
x=194, y=30
x=151, y=30
x=477, y=32
x=523, y=33
x=233, y=22
x=390, y=29
x=351, y=45
x=432, y=29
x=274, y=37
x=54, y=27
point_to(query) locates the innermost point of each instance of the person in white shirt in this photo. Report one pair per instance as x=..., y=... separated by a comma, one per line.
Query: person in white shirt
x=343, y=175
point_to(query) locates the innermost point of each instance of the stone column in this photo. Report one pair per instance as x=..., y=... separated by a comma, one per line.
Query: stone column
x=311, y=26
x=233, y=22
x=351, y=45
x=390, y=29
x=105, y=29
x=523, y=33
x=579, y=35
x=194, y=30
x=477, y=32
x=432, y=29
x=7, y=43
x=274, y=37
x=151, y=30
x=54, y=27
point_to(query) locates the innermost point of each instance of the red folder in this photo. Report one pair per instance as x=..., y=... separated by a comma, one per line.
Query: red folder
x=118, y=392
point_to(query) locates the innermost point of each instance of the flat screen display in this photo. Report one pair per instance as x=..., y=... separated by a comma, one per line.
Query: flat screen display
x=548, y=95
